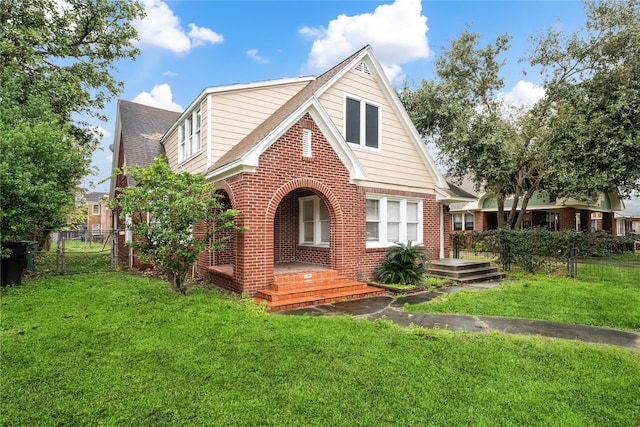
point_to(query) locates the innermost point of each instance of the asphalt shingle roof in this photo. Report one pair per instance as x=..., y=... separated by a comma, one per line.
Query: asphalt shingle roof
x=142, y=128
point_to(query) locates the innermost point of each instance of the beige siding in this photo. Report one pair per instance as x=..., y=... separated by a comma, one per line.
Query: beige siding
x=399, y=162
x=235, y=114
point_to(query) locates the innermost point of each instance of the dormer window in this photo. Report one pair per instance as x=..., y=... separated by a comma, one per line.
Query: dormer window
x=362, y=123
x=189, y=137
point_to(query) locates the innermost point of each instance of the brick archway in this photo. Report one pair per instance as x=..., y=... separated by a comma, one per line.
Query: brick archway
x=336, y=219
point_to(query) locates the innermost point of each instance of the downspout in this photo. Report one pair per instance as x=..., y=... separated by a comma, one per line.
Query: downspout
x=441, y=231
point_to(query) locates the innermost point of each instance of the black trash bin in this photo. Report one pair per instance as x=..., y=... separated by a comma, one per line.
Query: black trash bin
x=14, y=266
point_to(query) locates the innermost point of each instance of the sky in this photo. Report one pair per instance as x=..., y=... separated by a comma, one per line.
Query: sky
x=189, y=45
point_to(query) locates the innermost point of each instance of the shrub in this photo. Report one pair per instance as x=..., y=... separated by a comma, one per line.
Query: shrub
x=404, y=264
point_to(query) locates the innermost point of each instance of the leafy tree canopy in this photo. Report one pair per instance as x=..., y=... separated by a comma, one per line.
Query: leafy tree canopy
x=581, y=138
x=56, y=60
x=173, y=217
x=39, y=167
x=66, y=50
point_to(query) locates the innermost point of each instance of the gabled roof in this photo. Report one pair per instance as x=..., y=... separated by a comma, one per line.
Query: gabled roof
x=281, y=114
x=139, y=129
x=95, y=196
x=237, y=157
x=142, y=129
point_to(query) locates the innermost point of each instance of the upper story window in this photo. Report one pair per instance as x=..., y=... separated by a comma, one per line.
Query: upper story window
x=96, y=209
x=314, y=222
x=362, y=122
x=462, y=222
x=392, y=220
x=189, y=137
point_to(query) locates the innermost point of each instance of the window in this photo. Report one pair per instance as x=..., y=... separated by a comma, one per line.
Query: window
x=462, y=222
x=314, y=222
x=96, y=209
x=362, y=123
x=95, y=229
x=392, y=220
x=189, y=137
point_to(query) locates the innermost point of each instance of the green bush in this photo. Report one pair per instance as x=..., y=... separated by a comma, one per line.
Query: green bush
x=404, y=264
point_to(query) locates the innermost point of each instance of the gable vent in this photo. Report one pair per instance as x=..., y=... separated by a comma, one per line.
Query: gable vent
x=306, y=143
x=362, y=67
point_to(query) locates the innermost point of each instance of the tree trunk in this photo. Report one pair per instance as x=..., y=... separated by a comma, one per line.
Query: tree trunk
x=501, y=222
x=177, y=281
x=523, y=209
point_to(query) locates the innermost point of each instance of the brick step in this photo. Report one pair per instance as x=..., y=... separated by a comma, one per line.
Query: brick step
x=294, y=279
x=311, y=289
x=328, y=297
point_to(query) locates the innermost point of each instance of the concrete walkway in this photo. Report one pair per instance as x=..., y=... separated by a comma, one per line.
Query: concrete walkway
x=390, y=308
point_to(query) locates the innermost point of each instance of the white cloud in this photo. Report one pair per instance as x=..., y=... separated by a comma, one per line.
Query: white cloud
x=100, y=132
x=169, y=74
x=200, y=35
x=397, y=33
x=524, y=95
x=253, y=54
x=160, y=97
x=160, y=27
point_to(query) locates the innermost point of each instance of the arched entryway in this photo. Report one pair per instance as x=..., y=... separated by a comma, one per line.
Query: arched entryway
x=306, y=225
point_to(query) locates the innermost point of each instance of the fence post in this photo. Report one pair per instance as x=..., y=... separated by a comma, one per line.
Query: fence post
x=505, y=252
x=456, y=246
x=572, y=258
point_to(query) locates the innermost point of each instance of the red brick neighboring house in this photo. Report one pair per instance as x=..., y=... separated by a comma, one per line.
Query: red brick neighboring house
x=480, y=213
x=327, y=174
x=98, y=214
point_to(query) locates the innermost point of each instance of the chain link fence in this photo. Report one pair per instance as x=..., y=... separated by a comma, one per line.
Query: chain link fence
x=75, y=251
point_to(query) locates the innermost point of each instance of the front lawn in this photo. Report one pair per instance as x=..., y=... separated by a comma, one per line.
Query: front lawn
x=117, y=349
x=600, y=296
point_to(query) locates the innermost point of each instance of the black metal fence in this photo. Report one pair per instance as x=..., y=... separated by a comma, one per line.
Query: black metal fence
x=534, y=250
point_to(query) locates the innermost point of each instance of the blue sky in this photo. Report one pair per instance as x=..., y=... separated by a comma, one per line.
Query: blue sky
x=190, y=45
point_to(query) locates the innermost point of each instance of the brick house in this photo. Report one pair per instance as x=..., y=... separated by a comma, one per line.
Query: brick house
x=138, y=131
x=327, y=173
x=480, y=213
x=98, y=214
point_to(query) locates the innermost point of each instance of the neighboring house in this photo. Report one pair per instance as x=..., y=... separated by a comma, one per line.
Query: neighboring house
x=98, y=215
x=327, y=172
x=481, y=213
x=628, y=220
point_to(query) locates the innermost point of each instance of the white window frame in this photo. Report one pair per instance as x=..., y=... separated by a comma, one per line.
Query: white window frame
x=94, y=209
x=317, y=222
x=95, y=229
x=383, y=221
x=363, y=122
x=189, y=136
x=463, y=225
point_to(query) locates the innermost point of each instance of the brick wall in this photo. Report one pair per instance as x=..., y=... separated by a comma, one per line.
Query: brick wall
x=267, y=200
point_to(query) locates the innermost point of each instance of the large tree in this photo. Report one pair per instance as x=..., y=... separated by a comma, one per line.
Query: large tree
x=173, y=217
x=580, y=139
x=40, y=165
x=56, y=64
x=593, y=86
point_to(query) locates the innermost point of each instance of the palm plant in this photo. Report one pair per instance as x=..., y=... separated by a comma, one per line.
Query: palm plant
x=403, y=264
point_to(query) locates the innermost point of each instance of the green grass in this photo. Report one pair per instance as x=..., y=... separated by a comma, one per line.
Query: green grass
x=601, y=296
x=117, y=349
